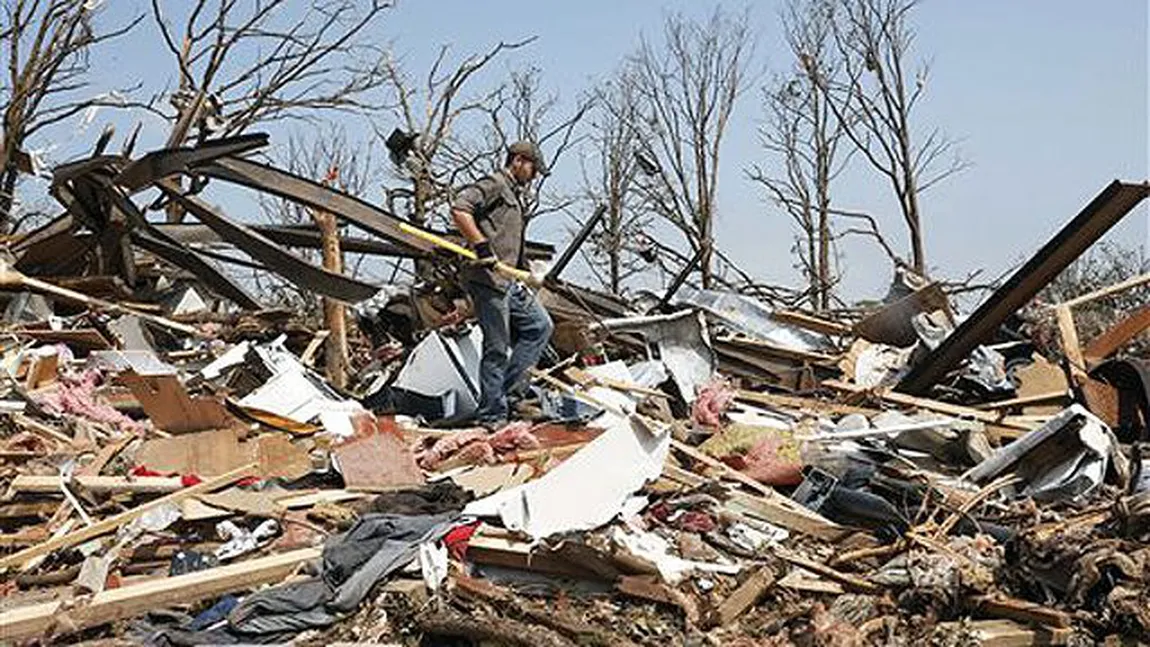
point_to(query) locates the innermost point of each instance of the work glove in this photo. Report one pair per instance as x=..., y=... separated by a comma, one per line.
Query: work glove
x=484, y=257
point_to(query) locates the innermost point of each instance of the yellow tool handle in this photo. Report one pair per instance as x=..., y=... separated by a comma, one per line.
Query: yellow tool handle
x=441, y=242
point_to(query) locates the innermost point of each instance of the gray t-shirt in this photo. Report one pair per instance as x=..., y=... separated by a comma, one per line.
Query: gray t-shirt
x=497, y=204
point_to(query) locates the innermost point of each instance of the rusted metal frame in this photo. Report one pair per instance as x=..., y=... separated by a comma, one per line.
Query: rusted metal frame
x=194, y=262
x=569, y=254
x=59, y=225
x=291, y=268
x=30, y=258
x=69, y=171
x=157, y=165
x=1114, y=202
x=114, y=250
x=286, y=235
x=1118, y=335
x=81, y=213
x=148, y=237
x=268, y=179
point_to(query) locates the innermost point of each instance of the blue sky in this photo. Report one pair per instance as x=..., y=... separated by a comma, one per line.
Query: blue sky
x=1048, y=99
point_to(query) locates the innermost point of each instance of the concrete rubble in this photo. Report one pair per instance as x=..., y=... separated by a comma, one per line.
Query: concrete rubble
x=179, y=468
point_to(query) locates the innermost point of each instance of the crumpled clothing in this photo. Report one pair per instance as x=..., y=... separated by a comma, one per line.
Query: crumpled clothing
x=478, y=447
x=432, y=498
x=76, y=395
x=711, y=402
x=459, y=539
x=352, y=563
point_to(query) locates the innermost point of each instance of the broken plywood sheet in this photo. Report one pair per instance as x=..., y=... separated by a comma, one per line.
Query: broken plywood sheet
x=167, y=403
x=262, y=504
x=377, y=461
x=1041, y=377
x=204, y=453
x=280, y=458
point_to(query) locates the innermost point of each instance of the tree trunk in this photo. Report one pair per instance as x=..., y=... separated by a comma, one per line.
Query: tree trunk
x=914, y=226
x=824, y=257
x=7, y=197
x=708, y=248
x=615, y=242
x=814, y=269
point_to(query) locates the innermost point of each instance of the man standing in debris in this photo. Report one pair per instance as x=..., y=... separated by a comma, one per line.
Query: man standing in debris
x=492, y=215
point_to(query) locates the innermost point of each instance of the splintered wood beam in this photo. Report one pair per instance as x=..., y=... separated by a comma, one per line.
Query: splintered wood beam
x=1069, y=337
x=1118, y=335
x=743, y=598
x=114, y=604
x=110, y=524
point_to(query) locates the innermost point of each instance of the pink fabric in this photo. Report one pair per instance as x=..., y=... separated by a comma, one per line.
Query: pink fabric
x=712, y=401
x=76, y=395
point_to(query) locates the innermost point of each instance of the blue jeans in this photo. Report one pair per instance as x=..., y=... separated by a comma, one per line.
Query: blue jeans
x=510, y=321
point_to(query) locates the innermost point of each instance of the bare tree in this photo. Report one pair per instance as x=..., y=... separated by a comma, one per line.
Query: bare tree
x=802, y=133
x=876, y=102
x=687, y=86
x=47, y=45
x=620, y=242
x=242, y=63
x=455, y=128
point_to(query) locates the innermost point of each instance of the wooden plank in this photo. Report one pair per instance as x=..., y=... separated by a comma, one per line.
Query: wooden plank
x=510, y=553
x=653, y=589
x=801, y=403
x=207, y=453
x=585, y=379
x=40, y=428
x=1006, y=633
x=902, y=399
x=170, y=407
x=1069, y=338
x=1021, y=611
x=743, y=598
x=849, y=581
x=773, y=508
x=1117, y=336
x=1106, y=291
x=83, y=339
x=1039, y=398
x=110, y=524
x=32, y=484
x=294, y=500
x=809, y=322
x=126, y=602
x=13, y=279
x=800, y=580
x=782, y=352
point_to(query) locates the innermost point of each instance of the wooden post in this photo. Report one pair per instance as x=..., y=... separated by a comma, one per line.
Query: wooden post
x=335, y=349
